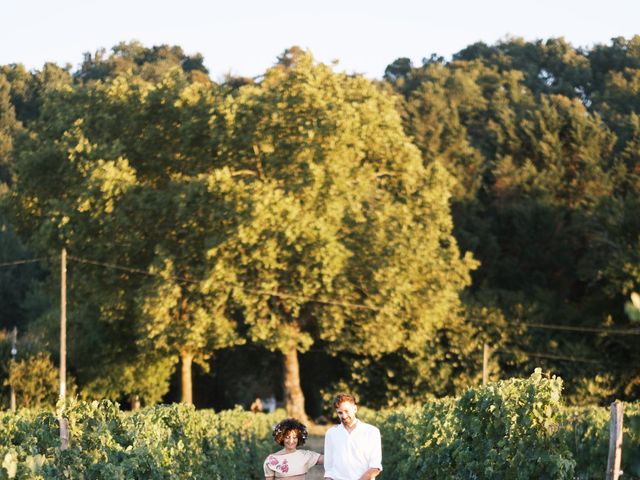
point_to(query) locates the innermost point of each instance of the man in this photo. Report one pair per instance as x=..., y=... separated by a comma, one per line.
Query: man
x=352, y=449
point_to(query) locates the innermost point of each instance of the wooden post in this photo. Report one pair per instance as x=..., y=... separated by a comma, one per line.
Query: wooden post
x=14, y=352
x=485, y=364
x=615, y=442
x=64, y=424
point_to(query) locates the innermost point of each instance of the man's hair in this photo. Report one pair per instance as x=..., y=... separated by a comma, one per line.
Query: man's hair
x=343, y=397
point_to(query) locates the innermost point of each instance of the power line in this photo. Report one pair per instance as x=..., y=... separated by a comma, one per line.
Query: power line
x=126, y=269
x=22, y=262
x=568, y=328
x=256, y=291
x=609, y=331
x=550, y=356
x=566, y=358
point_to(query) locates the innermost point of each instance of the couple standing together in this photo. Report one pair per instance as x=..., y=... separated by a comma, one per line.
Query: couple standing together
x=352, y=449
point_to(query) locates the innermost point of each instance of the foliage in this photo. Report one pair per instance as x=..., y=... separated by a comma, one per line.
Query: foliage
x=128, y=176
x=542, y=140
x=149, y=63
x=161, y=442
x=516, y=429
x=504, y=430
x=35, y=380
x=511, y=429
x=586, y=431
x=340, y=233
x=235, y=207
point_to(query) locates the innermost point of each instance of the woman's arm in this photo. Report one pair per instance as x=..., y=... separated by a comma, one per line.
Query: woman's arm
x=320, y=460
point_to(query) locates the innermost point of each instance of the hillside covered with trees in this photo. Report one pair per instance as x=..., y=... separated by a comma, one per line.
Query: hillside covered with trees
x=306, y=230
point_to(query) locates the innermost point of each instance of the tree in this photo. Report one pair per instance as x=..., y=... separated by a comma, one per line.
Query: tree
x=28, y=88
x=545, y=189
x=150, y=63
x=550, y=66
x=129, y=159
x=35, y=380
x=9, y=127
x=341, y=233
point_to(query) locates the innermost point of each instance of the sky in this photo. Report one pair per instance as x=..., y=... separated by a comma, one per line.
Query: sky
x=245, y=37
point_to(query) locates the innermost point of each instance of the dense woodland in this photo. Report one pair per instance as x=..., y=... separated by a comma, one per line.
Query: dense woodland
x=309, y=230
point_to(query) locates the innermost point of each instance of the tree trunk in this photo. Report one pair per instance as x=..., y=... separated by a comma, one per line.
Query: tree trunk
x=186, y=360
x=135, y=403
x=293, y=396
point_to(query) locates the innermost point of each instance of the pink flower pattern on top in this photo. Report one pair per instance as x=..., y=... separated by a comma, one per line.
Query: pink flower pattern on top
x=293, y=464
x=282, y=467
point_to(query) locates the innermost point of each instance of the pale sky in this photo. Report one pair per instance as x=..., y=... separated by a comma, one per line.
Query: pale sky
x=245, y=37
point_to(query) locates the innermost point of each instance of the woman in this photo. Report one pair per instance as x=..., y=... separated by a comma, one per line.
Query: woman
x=290, y=462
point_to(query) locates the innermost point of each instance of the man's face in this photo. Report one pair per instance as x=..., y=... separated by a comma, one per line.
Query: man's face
x=347, y=413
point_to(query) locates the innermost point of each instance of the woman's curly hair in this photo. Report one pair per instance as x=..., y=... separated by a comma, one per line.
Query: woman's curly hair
x=281, y=430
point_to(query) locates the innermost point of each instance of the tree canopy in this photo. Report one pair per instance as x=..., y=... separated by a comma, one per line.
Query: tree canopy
x=369, y=235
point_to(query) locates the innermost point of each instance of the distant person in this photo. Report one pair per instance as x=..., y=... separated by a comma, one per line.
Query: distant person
x=352, y=449
x=270, y=404
x=290, y=462
x=256, y=406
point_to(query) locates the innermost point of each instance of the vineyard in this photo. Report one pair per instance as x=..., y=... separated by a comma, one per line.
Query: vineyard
x=515, y=429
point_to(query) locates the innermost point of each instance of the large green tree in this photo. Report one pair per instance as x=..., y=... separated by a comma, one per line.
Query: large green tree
x=115, y=172
x=343, y=234
x=542, y=140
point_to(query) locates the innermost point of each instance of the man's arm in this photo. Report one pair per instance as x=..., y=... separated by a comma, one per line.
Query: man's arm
x=375, y=456
x=370, y=474
x=328, y=456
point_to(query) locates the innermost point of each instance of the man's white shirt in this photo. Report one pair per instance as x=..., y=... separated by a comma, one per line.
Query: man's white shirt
x=348, y=455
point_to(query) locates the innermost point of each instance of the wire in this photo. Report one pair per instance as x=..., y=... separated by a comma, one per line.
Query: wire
x=356, y=306
x=257, y=291
x=553, y=356
x=550, y=356
x=606, y=331
x=125, y=269
x=230, y=285
x=22, y=262
x=610, y=331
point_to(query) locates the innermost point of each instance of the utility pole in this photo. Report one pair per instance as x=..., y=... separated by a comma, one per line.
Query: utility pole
x=64, y=424
x=63, y=326
x=14, y=352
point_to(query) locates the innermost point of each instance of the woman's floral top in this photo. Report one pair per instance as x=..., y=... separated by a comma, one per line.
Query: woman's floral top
x=289, y=464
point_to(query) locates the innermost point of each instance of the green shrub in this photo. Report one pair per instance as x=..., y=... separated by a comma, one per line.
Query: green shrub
x=586, y=432
x=515, y=429
x=162, y=442
x=506, y=430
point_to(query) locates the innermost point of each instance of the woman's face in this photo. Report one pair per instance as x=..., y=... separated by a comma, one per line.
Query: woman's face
x=291, y=440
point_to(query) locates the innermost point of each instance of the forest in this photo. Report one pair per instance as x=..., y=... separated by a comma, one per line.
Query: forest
x=307, y=231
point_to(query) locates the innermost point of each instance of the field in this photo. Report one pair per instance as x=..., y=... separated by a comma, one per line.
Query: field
x=515, y=429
